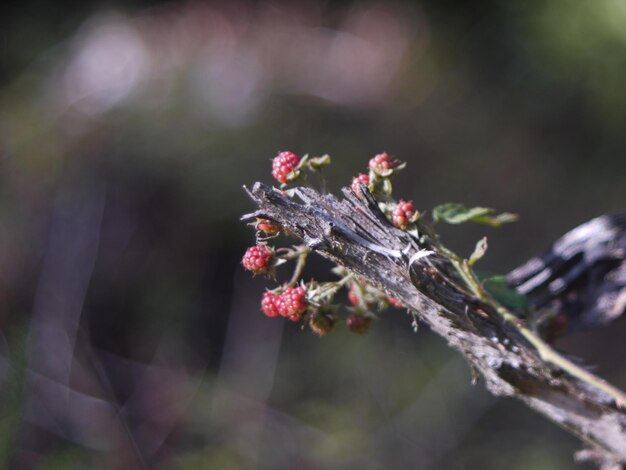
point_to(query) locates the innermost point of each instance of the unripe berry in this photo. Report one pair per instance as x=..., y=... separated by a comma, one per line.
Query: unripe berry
x=352, y=296
x=382, y=163
x=268, y=304
x=322, y=323
x=361, y=178
x=556, y=327
x=257, y=259
x=283, y=165
x=267, y=226
x=292, y=302
x=359, y=323
x=402, y=214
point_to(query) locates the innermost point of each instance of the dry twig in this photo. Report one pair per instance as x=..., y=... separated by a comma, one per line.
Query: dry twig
x=512, y=361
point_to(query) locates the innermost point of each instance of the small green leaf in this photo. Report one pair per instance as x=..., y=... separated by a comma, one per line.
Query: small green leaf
x=387, y=188
x=479, y=251
x=304, y=161
x=505, y=218
x=279, y=261
x=453, y=213
x=319, y=162
x=413, y=232
x=496, y=221
x=400, y=167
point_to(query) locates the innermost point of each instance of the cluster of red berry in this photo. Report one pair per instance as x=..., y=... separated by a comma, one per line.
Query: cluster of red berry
x=291, y=303
x=312, y=303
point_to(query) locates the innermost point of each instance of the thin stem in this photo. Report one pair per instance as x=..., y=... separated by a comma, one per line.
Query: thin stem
x=297, y=272
x=304, y=180
x=320, y=174
x=292, y=253
x=333, y=287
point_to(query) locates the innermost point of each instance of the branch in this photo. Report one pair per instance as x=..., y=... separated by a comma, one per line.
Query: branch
x=511, y=359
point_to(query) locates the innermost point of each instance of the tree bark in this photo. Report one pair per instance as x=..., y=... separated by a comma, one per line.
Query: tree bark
x=348, y=231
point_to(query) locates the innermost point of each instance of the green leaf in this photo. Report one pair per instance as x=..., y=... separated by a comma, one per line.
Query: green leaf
x=304, y=161
x=479, y=251
x=400, y=167
x=506, y=217
x=454, y=213
x=498, y=288
x=496, y=221
x=387, y=188
x=319, y=162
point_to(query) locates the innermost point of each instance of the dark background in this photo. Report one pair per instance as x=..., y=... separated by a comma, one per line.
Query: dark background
x=130, y=333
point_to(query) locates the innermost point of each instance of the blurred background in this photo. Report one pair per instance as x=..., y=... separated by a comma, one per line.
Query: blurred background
x=131, y=337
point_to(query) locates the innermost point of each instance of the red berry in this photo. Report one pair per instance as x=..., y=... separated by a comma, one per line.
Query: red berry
x=382, y=163
x=282, y=166
x=361, y=178
x=402, y=214
x=557, y=326
x=294, y=318
x=292, y=302
x=268, y=304
x=396, y=303
x=359, y=323
x=267, y=226
x=257, y=259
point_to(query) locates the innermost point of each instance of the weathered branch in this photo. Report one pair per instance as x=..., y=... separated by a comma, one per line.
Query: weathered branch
x=356, y=235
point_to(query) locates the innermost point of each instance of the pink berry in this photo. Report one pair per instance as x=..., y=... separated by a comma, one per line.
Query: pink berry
x=382, y=162
x=361, y=178
x=268, y=304
x=402, y=214
x=352, y=296
x=292, y=302
x=282, y=166
x=257, y=259
x=359, y=323
x=396, y=303
x=294, y=318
